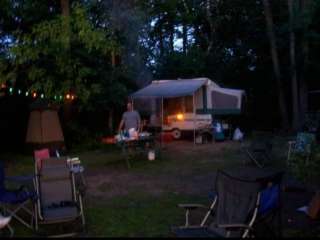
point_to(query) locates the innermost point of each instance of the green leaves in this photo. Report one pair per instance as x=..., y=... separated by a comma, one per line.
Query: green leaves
x=54, y=55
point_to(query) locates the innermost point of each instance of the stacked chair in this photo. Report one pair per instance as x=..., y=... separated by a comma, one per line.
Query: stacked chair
x=302, y=146
x=259, y=151
x=236, y=208
x=60, y=200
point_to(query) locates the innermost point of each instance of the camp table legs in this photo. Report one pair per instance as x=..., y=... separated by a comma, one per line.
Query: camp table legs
x=131, y=148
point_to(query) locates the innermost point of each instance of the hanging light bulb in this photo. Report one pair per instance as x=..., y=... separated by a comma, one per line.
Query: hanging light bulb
x=19, y=91
x=34, y=94
x=3, y=85
x=72, y=97
x=27, y=94
x=60, y=97
x=11, y=90
x=68, y=96
x=42, y=95
x=55, y=97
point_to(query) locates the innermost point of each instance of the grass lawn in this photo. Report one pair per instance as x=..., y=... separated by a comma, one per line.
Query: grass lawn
x=142, y=201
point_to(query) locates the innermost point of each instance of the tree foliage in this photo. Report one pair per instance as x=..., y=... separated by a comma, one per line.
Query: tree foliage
x=54, y=59
x=224, y=40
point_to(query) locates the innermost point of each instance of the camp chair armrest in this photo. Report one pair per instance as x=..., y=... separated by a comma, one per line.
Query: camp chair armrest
x=20, y=179
x=237, y=225
x=191, y=206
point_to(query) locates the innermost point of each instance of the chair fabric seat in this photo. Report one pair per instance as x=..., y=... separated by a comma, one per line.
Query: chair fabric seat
x=16, y=197
x=269, y=200
x=60, y=213
x=195, y=232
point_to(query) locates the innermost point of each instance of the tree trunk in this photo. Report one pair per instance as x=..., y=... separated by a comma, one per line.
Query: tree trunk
x=211, y=25
x=110, y=121
x=303, y=88
x=171, y=37
x=293, y=69
x=65, y=7
x=161, y=46
x=65, y=11
x=113, y=59
x=185, y=38
x=276, y=67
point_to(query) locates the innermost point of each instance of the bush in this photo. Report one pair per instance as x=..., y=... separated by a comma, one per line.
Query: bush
x=78, y=137
x=304, y=168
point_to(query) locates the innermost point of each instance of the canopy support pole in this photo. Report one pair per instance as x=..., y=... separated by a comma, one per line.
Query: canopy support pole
x=161, y=132
x=194, y=120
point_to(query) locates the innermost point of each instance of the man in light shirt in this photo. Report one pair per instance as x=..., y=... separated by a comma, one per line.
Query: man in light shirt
x=130, y=119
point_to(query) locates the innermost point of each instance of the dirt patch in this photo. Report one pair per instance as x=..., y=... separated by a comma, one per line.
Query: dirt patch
x=118, y=183
x=191, y=178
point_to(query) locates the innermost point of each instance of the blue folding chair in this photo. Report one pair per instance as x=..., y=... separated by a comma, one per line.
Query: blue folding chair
x=14, y=202
x=270, y=207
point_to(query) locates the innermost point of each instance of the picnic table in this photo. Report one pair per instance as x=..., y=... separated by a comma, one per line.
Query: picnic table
x=131, y=147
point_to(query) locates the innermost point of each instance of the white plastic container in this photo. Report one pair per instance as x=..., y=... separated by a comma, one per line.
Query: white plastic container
x=151, y=155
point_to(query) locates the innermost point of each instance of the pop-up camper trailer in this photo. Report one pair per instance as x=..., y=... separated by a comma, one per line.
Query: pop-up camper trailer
x=187, y=104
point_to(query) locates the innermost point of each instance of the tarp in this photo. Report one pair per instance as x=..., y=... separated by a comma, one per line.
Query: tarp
x=170, y=88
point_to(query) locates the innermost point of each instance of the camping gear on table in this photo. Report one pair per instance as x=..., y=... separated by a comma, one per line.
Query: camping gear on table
x=60, y=200
x=236, y=207
x=14, y=202
x=133, y=134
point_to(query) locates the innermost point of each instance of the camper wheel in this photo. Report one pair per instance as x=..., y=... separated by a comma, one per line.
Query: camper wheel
x=176, y=133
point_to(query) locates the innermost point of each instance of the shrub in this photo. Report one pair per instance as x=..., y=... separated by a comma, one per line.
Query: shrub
x=306, y=169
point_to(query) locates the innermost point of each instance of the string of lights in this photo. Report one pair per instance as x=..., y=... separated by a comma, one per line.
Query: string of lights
x=34, y=94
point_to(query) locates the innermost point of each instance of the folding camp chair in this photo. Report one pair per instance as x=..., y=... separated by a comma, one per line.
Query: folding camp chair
x=259, y=151
x=269, y=214
x=236, y=207
x=59, y=199
x=235, y=210
x=74, y=164
x=302, y=146
x=16, y=202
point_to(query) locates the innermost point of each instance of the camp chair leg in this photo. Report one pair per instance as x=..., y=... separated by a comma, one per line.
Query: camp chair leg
x=10, y=230
x=128, y=162
x=36, y=226
x=208, y=213
x=14, y=215
x=279, y=225
x=83, y=220
x=187, y=218
x=125, y=153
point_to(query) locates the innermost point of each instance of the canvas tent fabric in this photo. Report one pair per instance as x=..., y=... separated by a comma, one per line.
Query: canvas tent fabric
x=209, y=97
x=44, y=126
x=224, y=98
x=170, y=88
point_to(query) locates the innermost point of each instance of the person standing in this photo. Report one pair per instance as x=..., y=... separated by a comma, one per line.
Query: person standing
x=130, y=119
